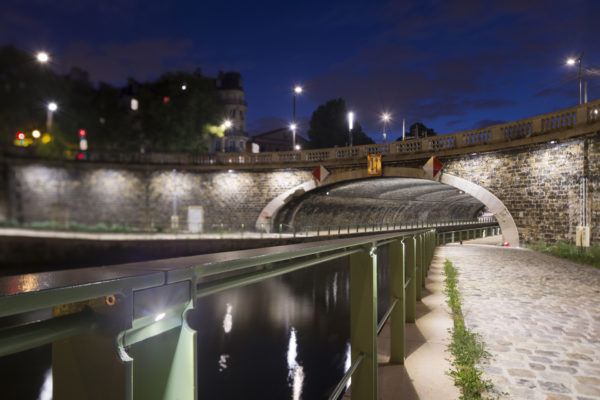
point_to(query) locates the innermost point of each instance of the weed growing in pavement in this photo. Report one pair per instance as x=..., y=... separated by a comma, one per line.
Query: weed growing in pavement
x=467, y=347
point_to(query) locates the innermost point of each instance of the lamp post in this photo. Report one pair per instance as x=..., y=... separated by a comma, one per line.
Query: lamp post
x=572, y=61
x=52, y=107
x=385, y=117
x=293, y=128
x=226, y=125
x=297, y=91
x=350, y=126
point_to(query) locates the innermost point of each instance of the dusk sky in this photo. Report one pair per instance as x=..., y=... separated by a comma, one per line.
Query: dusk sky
x=452, y=65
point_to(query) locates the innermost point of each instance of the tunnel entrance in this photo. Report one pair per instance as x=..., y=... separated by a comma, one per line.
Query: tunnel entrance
x=383, y=201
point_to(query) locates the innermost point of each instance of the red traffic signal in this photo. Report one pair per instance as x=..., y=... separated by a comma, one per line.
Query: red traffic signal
x=20, y=136
x=82, y=132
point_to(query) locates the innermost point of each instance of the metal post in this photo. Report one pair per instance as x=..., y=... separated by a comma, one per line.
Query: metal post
x=411, y=278
x=363, y=323
x=419, y=266
x=398, y=315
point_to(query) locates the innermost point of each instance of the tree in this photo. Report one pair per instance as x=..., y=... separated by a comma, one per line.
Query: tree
x=329, y=127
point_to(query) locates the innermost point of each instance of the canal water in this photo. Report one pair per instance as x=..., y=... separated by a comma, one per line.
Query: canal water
x=283, y=338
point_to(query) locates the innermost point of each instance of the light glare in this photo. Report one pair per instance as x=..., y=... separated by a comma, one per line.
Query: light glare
x=159, y=317
x=227, y=124
x=298, y=89
x=571, y=61
x=351, y=120
x=385, y=117
x=52, y=106
x=43, y=57
x=293, y=127
x=36, y=134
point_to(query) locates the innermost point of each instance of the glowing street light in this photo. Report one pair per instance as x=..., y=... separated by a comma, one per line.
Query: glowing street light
x=572, y=61
x=42, y=57
x=293, y=128
x=226, y=125
x=350, y=126
x=183, y=87
x=297, y=91
x=36, y=134
x=385, y=117
x=52, y=107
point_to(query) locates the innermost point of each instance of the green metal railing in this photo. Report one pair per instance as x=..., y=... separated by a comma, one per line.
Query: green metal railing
x=466, y=234
x=127, y=324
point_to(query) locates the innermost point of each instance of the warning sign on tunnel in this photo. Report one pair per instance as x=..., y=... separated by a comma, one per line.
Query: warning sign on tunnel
x=374, y=164
x=433, y=167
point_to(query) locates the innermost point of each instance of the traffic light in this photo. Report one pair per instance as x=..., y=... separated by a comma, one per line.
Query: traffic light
x=83, y=145
x=20, y=139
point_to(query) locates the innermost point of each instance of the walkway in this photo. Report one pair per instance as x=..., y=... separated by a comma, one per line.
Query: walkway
x=539, y=315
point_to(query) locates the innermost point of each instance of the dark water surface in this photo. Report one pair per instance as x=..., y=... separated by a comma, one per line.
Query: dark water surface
x=284, y=338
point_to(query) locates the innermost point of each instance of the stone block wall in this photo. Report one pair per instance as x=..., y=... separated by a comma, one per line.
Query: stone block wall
x=539, y=185
x=142, y=197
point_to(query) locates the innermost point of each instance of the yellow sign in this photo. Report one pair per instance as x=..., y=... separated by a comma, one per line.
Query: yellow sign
x=374, y=164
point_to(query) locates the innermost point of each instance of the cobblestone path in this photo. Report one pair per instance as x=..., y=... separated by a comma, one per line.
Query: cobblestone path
x=538, y=315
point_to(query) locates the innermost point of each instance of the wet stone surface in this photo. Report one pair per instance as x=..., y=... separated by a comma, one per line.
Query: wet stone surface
x=539, y=317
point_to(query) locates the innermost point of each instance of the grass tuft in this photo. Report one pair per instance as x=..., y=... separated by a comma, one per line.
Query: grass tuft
x=583, y=255
x=467, y=347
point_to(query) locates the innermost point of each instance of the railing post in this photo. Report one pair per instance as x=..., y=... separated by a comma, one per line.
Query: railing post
x=164, y=365
x=411, y=278
x=363, y=323
x=398, y=315
x=419, y=265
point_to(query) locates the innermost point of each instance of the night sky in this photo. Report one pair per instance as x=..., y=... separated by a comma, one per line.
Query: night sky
x=452, y=65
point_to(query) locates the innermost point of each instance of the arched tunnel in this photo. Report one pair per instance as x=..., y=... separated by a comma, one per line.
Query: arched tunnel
x=386, y=200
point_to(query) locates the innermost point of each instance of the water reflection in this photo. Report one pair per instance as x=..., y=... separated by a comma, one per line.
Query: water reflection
x=228, y=320
x=46, y=391
x=295, y=370
x=348, y=362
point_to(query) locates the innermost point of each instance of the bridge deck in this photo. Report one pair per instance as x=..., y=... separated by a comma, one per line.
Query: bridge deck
x=538, y=315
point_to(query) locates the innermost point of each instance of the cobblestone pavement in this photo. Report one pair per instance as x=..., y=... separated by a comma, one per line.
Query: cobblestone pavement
x=539, y=316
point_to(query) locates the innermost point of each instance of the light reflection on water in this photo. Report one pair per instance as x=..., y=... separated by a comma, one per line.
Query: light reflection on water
x=46, y=391
x=295, y=370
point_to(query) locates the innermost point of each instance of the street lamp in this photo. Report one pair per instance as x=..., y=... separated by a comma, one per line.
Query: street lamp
x=385, y=117
x=350, y=126
x=293, y=128
x=297, y=91
x=572, y=61
x=42, y=57
x=52, y=107
x=226, y=125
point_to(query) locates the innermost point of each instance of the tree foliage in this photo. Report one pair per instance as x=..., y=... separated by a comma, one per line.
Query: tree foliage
x=169, y=118
x=329, y=127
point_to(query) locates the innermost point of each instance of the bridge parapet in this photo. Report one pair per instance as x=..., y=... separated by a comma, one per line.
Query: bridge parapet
x=460, y=142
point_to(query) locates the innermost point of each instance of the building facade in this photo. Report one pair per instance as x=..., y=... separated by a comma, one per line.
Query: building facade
x=231, y=92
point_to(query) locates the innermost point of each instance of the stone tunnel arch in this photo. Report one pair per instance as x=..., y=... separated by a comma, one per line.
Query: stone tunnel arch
x=507, y=224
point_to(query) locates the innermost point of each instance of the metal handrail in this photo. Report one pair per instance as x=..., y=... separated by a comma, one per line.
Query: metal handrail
x=342, y=383
x=387, y=314
x=200, y=271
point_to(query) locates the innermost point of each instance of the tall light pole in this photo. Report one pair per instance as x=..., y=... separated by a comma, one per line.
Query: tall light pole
x=52, y=107
x=297, y=91
x=572, y=61
x=226, y=125
x=293, y=128
x=385, y=117
x=350, y=126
